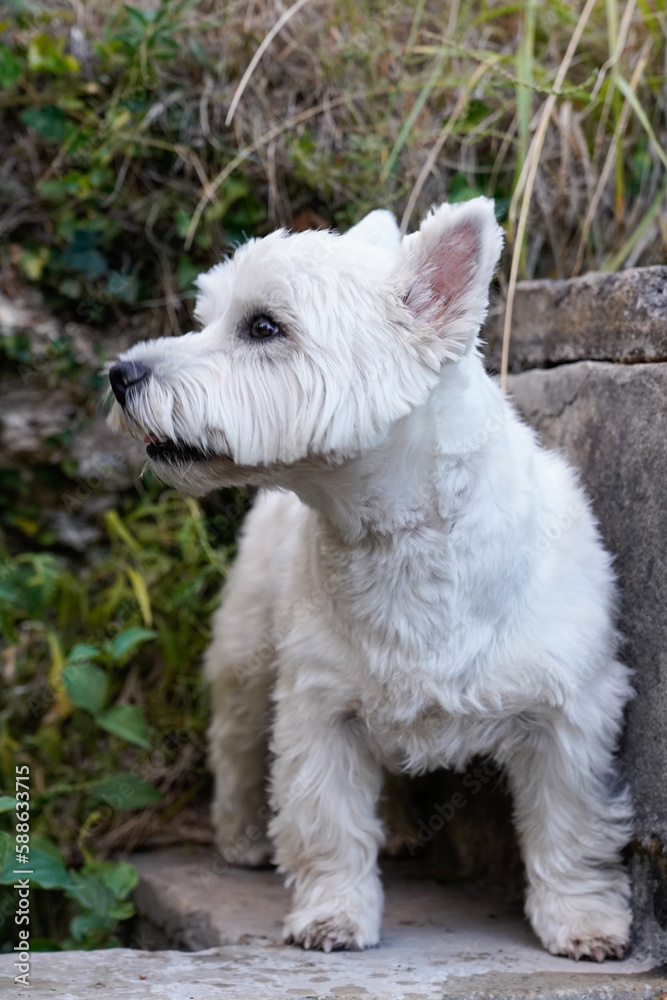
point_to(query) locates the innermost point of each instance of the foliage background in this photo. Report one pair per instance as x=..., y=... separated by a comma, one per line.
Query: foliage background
x=120, y=180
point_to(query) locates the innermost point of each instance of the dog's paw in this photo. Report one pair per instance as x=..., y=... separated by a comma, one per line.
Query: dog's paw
x=244, y=854
x=577, y=927
x=328, y=934
x=335, y=918
x=597, y=949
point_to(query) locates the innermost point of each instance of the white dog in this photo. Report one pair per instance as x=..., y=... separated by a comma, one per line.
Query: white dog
x=422, y=583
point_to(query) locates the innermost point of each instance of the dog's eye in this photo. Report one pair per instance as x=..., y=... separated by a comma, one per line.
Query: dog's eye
x=262, y=328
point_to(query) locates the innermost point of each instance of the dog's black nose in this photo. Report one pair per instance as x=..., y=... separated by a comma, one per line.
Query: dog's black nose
x=125, y=374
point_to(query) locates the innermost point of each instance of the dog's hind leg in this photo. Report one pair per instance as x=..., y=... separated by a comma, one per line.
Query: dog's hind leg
x=325, y=787
x=238, y=749
x=239, y=666
x=573, y=824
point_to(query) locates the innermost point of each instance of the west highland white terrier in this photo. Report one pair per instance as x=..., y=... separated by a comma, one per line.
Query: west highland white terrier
x=418, y=582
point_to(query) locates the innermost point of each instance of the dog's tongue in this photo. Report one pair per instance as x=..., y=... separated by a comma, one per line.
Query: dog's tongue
x=151, y=439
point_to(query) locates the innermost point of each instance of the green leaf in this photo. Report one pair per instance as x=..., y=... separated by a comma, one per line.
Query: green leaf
x=197, y=50
x=140, y=589
x=44, y=944
x=7, y=803
x=183, y=219
x=127, y=640
x=11, y=67
x=46, y=844
x=636, y=106
x=119, y=877
x=7, y=858
x=126, y=791
x=82, y=255
x=49, y=121
x=460, y=190
x=89, y=891
x=33, y=262
x=122, y=911
x=82, y=651
x=126, y=721
x=143, y=16
x=46, y=55
x=187, y=271
x=71, y=288
x=47, y=871
x=88, y=930
x=123, y=287
x=86, y=685
x=52, y=190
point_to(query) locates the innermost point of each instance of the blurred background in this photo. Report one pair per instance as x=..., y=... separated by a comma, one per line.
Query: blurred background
x=141, y=143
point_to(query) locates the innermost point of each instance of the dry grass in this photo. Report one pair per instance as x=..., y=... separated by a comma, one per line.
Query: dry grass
x=325, y=110
x=380, y=84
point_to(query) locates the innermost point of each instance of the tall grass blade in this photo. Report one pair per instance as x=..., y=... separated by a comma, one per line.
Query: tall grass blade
x=524, y=71
x=533, y=158
x=616, y=262
x=633, y=101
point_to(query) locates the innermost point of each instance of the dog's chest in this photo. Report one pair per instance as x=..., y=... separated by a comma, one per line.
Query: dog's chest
x=416, y=648
x=394, y=599
x=419, y=638
x=414, y=729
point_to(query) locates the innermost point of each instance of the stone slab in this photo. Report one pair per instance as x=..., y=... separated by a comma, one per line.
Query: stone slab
x=271, y=972
x=189, y=898
x=438, y=943
x=618, y=317
x=611, y=422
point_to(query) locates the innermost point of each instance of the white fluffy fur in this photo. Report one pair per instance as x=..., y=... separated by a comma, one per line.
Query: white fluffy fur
x=420, y=583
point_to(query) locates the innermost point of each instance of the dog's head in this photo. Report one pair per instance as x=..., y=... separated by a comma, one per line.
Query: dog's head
x=312, y=346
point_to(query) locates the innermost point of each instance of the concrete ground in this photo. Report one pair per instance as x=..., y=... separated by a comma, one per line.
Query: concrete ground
x=439, y=943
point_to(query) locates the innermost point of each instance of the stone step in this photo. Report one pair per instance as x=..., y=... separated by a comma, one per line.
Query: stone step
x=439, y=942
x=619, y=317
x=269, y=972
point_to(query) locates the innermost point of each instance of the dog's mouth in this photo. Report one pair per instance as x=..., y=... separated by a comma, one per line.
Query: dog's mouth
x=174, y=451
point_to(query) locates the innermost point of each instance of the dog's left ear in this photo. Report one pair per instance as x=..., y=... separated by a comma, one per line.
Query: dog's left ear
x=379, y=229
x=446, y=273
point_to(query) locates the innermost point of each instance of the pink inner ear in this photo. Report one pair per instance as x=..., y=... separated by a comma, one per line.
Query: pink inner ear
x=443, y=274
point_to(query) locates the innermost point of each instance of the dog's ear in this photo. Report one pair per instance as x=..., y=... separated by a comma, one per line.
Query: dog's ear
x=378, y=229
x=448, y=266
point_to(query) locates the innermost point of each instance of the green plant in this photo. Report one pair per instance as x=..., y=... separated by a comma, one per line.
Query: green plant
x=102, y=701
x=98, y=890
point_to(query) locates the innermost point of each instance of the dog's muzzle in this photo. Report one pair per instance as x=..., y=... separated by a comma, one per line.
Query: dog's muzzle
x=127, y=375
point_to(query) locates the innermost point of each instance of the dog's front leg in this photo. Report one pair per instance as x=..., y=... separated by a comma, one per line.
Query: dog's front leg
x=325, y=787
x=572, y=827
